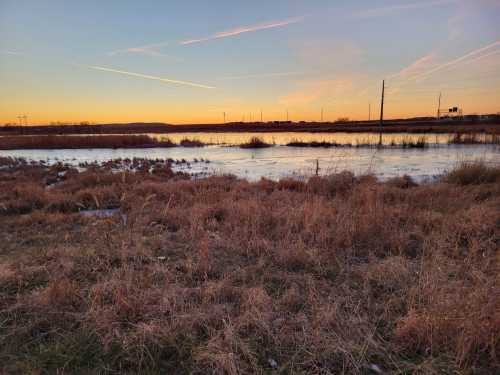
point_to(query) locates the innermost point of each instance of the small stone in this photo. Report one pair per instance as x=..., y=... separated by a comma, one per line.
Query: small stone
x=272, y=363
x=375, y=368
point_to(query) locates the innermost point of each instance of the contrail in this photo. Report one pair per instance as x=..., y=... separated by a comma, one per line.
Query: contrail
x=458, y=60
x=166, y=80
x=263, y=75
x=483, y=56
x=384, y=11
x=152, y=49
x=242, y=30
x=11, y=52
x=149, y=49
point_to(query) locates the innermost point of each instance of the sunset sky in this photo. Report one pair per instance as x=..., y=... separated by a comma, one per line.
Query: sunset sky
x=190, y=61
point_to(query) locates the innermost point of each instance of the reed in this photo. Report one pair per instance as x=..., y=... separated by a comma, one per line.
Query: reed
x=74, y=142
x=186, y=142
x=474, y=138
x=255, y=142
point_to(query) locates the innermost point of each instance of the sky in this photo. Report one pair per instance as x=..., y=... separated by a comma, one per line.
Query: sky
x=192, y=61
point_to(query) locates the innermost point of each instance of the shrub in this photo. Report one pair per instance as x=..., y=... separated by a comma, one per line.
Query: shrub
x=472, y=173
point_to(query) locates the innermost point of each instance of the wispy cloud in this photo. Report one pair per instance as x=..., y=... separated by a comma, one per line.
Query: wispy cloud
x=396, y=8
x=262, y=75
x=471, y=55
x=242, y=30
x=139, y=75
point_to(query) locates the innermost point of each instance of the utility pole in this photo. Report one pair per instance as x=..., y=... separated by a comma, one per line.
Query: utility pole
x=439, y=107
x=20, y=118
x=25, y=120
x=287, y=115
x=224, y=113
x=321, y=114
x=381, y=113
x=382, y=105
x=261, y=118
x=369, y=111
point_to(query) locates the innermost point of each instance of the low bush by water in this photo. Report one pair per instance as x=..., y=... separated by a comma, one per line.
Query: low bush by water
x=255, y=142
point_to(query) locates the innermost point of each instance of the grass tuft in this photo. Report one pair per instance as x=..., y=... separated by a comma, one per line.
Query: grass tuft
x=255, y=142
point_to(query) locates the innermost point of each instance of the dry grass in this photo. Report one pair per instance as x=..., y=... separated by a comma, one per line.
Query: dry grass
x=473, y=173
x=474, y=139
x=67, y=141
x=223, y=276
x=255, y=142
x=186, y=142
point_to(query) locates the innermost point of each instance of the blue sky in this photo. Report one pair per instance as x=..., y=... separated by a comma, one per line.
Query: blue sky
x=189, y=61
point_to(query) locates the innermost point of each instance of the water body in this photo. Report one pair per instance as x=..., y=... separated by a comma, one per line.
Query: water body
x=281, y=161
x=282, y=138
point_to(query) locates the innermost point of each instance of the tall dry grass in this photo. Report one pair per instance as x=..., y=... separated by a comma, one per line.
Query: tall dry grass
x=340, y=274
x=255, y=142
x=80, y=141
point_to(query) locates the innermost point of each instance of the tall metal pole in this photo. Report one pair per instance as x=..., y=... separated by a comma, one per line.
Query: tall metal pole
x=287, y=115
x=382, y=104
x=369, y=111
x=261, y=118
x=439, y=107
x=321, y=114
x=381, y=113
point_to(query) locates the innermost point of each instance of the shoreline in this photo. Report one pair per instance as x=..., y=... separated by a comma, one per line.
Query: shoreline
x=390, y=126
x=69, y=142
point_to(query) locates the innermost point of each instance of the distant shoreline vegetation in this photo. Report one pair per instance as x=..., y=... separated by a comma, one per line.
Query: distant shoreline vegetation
x=55, y=142
x=469, y=124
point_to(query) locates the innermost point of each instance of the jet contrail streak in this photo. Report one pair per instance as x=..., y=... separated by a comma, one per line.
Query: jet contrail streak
x=458, y=60
x=483, y=56
x=166, y=80
x=263, y=75
x=242, y=30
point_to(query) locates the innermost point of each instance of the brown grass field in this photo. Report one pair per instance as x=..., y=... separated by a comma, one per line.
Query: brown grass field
x=333, y=275
x=73, y=142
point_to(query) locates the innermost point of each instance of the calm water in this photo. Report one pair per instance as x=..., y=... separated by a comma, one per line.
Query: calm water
x=282, y=138
x=281, y=161
x=287, y=137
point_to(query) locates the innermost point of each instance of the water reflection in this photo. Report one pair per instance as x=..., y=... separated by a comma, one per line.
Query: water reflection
x=287, y=137
x=281, y=161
